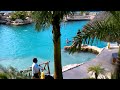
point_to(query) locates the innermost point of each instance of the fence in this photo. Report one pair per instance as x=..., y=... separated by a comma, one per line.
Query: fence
x=45, y=69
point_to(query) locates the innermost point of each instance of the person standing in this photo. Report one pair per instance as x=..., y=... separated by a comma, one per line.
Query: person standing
x=67, y=41
x=35, y=69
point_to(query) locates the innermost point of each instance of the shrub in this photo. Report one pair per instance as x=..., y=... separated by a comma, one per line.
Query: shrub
x=3, y=76
x=96, y=70
x=11, y=73
x=18, y=15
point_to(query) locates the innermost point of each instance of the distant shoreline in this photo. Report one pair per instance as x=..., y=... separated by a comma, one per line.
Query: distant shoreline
x=5, y=18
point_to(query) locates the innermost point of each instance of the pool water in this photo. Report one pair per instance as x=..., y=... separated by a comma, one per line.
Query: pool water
x=20, y=44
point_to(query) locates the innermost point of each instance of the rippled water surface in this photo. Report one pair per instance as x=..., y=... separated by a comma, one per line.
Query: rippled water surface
x=19, y=44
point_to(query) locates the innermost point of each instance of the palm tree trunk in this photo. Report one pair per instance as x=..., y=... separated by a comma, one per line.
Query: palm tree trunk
x=96, y=75
x=57, y=48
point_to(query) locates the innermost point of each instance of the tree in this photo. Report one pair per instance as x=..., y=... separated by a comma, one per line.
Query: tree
x=104, y=27
x=96, y=70
x=18, y=15
x=44, y=19
x=109, y=28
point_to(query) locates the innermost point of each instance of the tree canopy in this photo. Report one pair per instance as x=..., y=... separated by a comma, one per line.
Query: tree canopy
x=105, y=27
x=18, y=15
x=44, y=19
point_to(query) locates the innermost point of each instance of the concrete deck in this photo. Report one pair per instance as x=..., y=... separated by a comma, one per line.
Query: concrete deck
x=105, y=59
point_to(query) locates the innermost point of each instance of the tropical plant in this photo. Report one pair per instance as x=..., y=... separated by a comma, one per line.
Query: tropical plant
x=105, y=28
x=11, y=73
x=96, y=70
x=44, y=19
x=3, y=76
x=18, y=15
x=76, y=46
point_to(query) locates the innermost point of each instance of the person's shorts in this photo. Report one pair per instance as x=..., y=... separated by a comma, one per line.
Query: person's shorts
x=36, y=75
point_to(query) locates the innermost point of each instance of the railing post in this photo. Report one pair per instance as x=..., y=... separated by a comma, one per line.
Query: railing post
x=48, y=68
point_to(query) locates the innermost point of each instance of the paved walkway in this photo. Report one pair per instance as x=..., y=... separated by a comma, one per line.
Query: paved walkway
x=80, y=72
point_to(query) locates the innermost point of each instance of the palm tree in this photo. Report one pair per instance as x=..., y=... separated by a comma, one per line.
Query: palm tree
x=18, y=15
x=96, y=70
x=109, y=28
x=104, y=27
x=44, y=19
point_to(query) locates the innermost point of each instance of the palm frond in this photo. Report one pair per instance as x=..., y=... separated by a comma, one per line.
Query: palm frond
x=115, y=16
x=3, y=76
x=11, y=73
x=96, y=69
x=104, y=28
x=43, y=19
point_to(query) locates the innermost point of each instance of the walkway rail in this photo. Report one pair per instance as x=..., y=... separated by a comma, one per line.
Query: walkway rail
x=81, y=72
x=45, y=67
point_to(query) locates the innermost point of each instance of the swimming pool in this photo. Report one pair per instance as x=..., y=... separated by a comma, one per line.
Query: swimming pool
x=20, y=44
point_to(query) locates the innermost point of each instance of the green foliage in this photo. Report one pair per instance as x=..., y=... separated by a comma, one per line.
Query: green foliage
x=43, y=19
x=3, y=76
x=100, y=29
x=106, y=30
x=113, y=76
x=18, y=15
x=11, y=73
x=76, y=46
x=96, y=69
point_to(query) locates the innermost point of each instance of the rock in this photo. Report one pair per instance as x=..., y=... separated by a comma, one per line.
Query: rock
x=8, y=23
x=67, y=47
x=3, y=21
x=18, y=21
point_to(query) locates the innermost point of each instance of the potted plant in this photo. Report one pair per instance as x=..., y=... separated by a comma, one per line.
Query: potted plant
x=96, y=70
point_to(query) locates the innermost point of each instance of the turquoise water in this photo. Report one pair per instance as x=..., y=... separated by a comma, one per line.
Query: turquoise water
x=20, y=44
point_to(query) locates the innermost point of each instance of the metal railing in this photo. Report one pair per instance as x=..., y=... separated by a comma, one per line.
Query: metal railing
x=45, y=68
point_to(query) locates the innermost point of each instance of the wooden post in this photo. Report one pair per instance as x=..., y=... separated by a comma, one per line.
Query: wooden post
x=29, y=74
x=48, y=68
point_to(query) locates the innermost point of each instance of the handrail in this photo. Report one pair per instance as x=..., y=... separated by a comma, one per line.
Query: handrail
x=46, y=65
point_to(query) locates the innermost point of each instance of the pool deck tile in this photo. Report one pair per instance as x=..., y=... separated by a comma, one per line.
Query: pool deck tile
x=80, y=72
